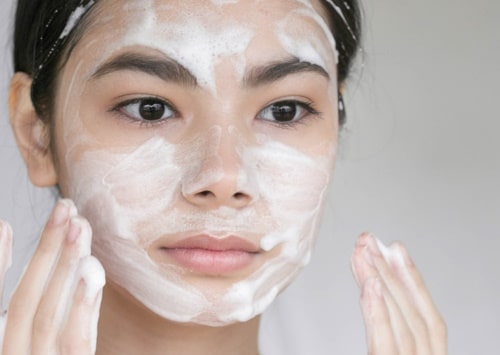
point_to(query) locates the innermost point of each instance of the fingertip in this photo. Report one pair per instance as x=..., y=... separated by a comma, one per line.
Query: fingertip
x=60, y=214
x=402, y=253
x=363, y=239
x=5, y=230
x=81, y=233
x=362, y=263
x=70, y=205
x=6, y=235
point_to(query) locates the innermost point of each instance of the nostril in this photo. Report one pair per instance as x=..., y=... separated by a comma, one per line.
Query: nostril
x=239, y=196
x=205, y=193
x=217, y=198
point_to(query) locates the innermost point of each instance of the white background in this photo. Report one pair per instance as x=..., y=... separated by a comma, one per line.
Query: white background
x=420, y=163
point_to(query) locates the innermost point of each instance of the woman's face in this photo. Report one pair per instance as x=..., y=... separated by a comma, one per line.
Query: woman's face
x=198, y=138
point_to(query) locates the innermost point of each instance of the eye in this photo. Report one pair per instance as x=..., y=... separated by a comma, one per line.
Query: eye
x=287, y=111
x=148, y=109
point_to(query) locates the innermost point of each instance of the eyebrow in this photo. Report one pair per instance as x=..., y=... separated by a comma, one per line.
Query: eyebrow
x=164, y=68
x=278, y=70
x=171, y=71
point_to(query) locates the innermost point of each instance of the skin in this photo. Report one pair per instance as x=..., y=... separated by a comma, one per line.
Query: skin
x=399, y=315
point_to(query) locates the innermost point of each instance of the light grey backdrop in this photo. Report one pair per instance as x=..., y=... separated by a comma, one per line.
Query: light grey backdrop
x=420, y=163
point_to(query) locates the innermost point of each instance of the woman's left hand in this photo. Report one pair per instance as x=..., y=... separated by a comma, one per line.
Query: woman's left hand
x=400, y=317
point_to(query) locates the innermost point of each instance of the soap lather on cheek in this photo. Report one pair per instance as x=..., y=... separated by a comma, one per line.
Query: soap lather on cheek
x=133, y=229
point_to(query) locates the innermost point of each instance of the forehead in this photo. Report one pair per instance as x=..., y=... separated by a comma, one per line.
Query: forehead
x=200, y=33
x=165, y=20
x=208, y=10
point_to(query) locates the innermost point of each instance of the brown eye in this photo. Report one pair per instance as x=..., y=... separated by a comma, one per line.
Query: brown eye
x=285, y=111
x=147, y=110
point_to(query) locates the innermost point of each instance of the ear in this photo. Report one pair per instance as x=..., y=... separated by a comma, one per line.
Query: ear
x=32, y=134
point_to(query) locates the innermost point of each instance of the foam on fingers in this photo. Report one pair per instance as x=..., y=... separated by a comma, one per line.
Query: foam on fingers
x=92, y=274
x=392, y=254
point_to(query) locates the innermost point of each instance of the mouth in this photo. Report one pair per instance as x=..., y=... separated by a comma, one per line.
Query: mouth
x=204, y=254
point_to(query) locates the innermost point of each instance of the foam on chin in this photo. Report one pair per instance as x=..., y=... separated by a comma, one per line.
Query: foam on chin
x=127, y=220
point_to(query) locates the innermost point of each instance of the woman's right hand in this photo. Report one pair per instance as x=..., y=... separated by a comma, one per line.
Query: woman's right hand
x=55, y=307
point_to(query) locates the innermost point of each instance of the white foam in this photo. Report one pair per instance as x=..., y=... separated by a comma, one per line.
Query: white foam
x=391, y=254
x=92, y=273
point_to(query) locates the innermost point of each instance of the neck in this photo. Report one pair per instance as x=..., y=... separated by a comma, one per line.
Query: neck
x=127, y=327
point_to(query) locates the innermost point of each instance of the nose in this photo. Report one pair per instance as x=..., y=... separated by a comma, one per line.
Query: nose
x=217, y=177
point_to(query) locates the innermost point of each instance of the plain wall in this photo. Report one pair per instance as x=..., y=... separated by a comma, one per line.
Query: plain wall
x=420, y=163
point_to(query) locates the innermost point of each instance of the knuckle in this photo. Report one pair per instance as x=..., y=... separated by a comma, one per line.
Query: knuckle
x=439, y=328
x=420, y=328
x=407, y=344
x=71, y=346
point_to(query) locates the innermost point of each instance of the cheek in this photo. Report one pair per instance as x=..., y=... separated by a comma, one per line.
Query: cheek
x=293, y=186
x=118, y=191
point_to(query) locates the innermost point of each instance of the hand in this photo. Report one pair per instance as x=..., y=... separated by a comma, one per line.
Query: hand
x=400, y=317
x=55, y=308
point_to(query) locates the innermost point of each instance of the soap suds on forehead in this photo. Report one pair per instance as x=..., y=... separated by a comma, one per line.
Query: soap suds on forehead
x=199, y=39
x=196, y=44
x=311, y=13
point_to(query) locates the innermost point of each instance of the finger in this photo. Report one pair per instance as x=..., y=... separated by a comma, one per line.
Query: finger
x=5, y=251
x=5, y=263
x=403, y=334
x=80, y=333
x=392, y=269
x=422, y=298
x=49, y=318
x=362, y=261
x=379, y=333
x=24, y=301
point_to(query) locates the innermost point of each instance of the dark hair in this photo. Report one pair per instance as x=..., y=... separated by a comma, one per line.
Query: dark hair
x=46, y=31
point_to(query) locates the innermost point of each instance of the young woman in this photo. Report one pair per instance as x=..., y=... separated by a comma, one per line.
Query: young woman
x=193, y=143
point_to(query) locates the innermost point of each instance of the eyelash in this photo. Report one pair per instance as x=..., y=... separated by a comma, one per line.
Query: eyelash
x=310, y=112
x=307, y=106
x=120, y=109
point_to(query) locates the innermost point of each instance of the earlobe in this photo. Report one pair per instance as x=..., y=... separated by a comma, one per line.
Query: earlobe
x=32, y=134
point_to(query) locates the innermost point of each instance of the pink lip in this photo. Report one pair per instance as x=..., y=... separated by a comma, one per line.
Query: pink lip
x=207, y=255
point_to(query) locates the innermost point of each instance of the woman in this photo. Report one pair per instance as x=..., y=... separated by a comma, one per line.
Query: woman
x=197, y=140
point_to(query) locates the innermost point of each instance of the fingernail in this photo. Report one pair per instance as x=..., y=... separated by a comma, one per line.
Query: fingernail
x=85, y=239
x=92, y=274
x=81, y=233
x=363, y=239
x=75, y=229
x=60, y=214
x=71, y=207
x=367, y=255
x=375, y=245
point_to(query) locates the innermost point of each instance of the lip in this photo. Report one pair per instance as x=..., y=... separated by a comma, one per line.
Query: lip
x=208, y=255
